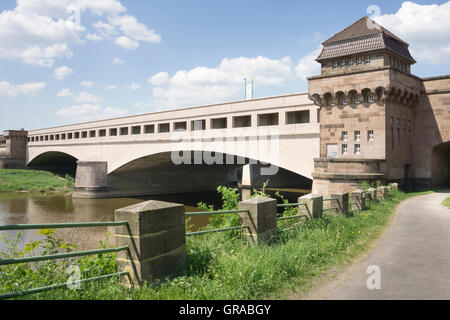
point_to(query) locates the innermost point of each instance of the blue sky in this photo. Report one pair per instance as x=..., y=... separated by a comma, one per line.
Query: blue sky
x=138, y=56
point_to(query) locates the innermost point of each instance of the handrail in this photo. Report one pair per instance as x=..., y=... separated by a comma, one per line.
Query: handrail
x=214, y=230
x=291, y=205
x=59, y=286
x=4, y=262
x=292, y=217
x=61, y=225
x=204, y=213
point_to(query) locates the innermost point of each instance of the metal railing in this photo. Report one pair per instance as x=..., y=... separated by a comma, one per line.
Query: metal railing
x=205, y=213
x=284, y=205
x=4, y=262
x=332, y=208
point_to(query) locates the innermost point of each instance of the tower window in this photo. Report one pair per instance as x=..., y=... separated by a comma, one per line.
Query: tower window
x=357, y=135
x=359, y=61
x=357, y=149
x=344, y=136
x=370, y=98
x=344, y=149
x=357, y=100
x=331, y=103
x=351, y=62
x=367, y=60
x=343, y=64
x=370, y=135
x=335, y=65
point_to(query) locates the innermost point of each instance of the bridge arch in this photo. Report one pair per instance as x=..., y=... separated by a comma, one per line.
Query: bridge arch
x=202, y=171
x=54, y=161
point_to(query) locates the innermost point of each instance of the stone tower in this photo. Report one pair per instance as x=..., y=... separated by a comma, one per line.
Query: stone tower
x=13, y=145
x=367, y=98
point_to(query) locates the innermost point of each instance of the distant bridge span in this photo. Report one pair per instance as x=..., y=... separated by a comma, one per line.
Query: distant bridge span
x=141, y=154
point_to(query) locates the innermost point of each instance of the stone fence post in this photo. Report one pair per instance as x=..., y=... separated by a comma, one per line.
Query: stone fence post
x=314, y=205
x=395, y=186
x=261, y=219
x=373, y=195
x=360, y=198
x=342, y=201
x=382, y=192
x=156, y=238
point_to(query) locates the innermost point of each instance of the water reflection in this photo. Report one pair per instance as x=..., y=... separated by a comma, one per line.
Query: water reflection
x=32, y=209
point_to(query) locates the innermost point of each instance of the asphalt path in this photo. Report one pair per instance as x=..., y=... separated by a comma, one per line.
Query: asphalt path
x=412, y=261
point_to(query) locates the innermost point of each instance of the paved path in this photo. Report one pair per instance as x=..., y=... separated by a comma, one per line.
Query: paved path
x=414, y=256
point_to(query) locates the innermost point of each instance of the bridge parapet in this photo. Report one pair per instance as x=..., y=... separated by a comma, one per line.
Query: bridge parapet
x=291, y=114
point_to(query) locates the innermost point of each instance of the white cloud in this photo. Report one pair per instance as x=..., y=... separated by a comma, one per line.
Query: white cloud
x=66, y=92
x=133, y=86
x=87, y=97
x=26, y=89
x=307, y=66
x=40, y=31
x=87, y=84
x=208, y=85
x=134, y=29
x=126, y=43
x=111, y=87
x=159, y=79
x=94, y=37
x=89, y=112
x=62, y=72
x=425, y=27
x=117, y=61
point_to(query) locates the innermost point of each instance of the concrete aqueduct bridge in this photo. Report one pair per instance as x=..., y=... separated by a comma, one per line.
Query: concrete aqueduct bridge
x=183, y=150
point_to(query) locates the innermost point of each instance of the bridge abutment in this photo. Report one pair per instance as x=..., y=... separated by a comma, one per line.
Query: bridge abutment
x=13, y=144
x=91, y=179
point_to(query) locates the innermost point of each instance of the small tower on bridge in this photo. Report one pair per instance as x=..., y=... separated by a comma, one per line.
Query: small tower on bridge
x=367, y=97
x=13, y=145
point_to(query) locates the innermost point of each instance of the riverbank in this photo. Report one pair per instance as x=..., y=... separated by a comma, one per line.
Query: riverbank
x=14, y=180
x=223, y=266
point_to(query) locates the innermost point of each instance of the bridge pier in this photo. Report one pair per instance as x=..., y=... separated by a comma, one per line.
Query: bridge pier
x=91, y=179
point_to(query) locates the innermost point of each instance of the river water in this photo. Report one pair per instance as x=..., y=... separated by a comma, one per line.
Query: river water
x=23, y=208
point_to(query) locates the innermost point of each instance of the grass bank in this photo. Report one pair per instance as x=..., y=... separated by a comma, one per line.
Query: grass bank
x=12, y=180
x=221, y=265
x=446, y=203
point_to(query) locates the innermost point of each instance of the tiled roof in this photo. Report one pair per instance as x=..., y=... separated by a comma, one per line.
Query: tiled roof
x=362, y=36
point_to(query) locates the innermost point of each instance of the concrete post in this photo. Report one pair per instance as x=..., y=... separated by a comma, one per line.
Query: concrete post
x=373, y=195
x=342, y=199
x=156, y=237
x=261, y=219
x=314, y=203
x=91, y=179
x=395, y=186
x=382, y=192
x=359, y=197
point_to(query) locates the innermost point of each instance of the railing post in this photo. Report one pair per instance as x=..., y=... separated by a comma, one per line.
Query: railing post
x=342, y=200
x=314, y=205
x=373, y=194
x=261, y=219
x=360, y=196
x=156, y=238
x=382, y=192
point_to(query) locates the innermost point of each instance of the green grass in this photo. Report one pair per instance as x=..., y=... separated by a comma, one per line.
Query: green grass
x=446, y=202
x=224, y=266
x=12, y=180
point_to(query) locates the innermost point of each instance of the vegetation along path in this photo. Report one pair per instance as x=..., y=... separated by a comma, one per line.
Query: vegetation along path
x=412, y=260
